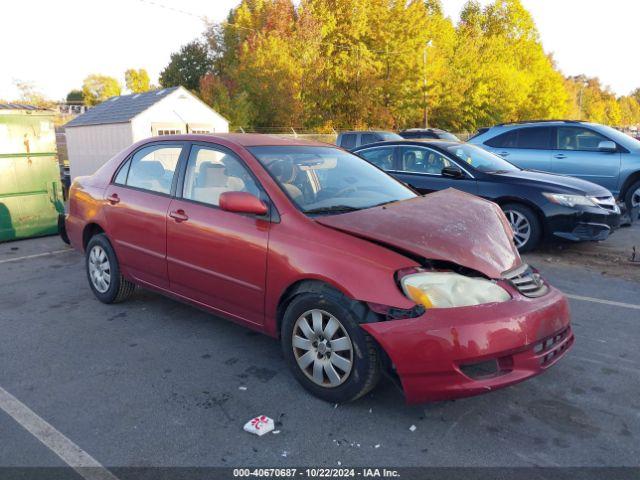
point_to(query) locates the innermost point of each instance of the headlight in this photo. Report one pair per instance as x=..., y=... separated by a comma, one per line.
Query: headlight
x=448, y=289
x=570, y=200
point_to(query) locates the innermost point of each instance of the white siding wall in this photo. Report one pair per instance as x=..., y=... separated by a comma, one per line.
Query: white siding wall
x=91, y=146
x=178, y=109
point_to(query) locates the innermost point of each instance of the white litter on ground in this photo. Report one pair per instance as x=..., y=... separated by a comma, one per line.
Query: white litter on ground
x=335, y=406
x=371, y=410
x=285, y=453
x=377, y=445
x=275, y=432
x=413, y=428
x=259, y=425
x=242, y=388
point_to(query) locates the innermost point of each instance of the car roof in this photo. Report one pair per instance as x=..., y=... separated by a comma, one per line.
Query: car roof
x=245, y=139
x=365, y=131
x=540, y=122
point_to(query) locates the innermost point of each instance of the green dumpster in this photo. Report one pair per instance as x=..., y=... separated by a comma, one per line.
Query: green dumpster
x=30, y=188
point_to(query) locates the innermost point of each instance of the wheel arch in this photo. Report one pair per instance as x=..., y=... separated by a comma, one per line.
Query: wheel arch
x=90, y=230
x=630, y=180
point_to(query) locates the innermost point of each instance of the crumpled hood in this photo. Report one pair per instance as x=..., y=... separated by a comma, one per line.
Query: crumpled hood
x=448, y=225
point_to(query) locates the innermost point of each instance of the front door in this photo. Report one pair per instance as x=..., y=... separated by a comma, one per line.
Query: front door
x=217, y=258
x=137, y=202
x=577, y=155
x=421, y=167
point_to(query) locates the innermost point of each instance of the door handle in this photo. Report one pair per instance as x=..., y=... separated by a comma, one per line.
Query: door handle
x=179, y=216
x=113, y=199
x=504, y=154
x=560, y=156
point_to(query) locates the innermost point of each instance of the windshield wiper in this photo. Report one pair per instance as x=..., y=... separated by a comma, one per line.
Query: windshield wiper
x=332, y=209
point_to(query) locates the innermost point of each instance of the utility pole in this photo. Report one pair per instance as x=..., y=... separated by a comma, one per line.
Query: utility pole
x=425, y=114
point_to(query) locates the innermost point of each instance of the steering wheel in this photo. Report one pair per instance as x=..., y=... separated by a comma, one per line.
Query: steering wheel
x=284, y=170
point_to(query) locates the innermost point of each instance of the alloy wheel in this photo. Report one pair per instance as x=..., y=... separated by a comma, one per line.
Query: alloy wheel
x=520, y=226
x=322, y=348
x=99, y=269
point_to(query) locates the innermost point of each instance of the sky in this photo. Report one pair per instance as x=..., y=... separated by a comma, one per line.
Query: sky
x=56, y=44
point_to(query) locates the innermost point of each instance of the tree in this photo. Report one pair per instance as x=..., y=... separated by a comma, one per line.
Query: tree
x=98, y=88
x=30, y=95
x=187, y=66
x=137, y=81
x=75, y=96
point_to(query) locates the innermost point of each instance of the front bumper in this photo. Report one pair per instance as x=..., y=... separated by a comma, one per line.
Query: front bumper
x=583, y=224
x=459, y=352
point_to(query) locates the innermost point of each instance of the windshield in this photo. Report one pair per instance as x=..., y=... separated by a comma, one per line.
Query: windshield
x=324, y=179
x=387, y=137
x=481, y=159
x=619, y=137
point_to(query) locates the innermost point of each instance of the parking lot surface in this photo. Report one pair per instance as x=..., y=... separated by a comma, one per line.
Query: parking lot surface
x=153, y=382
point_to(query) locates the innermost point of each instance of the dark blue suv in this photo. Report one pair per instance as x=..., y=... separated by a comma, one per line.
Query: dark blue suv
x=589, y=151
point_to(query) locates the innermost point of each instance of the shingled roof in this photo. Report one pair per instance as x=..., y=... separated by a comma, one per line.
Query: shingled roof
x=120, y=109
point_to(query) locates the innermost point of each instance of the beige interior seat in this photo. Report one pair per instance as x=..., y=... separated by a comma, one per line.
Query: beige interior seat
x=212, y=181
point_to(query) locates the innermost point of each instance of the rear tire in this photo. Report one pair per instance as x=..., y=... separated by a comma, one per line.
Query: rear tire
x=103, y=272
x=525, y=224
x=335, y=360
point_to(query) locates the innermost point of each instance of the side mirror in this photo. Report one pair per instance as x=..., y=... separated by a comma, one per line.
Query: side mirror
x=242, y=202
x=607, y=146
x=452, y=171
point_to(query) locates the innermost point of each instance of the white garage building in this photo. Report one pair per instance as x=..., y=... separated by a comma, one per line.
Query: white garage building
x=101, y=132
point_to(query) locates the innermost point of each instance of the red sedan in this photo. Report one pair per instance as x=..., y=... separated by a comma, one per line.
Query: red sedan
x=355, y=273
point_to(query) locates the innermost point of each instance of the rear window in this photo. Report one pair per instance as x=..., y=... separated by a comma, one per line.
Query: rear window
x=348, y=140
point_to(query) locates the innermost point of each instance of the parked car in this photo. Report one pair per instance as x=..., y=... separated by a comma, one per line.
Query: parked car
x=351, y=140
x=538, y=205
x=428, y=134
x=353, y=271
x=593, y=152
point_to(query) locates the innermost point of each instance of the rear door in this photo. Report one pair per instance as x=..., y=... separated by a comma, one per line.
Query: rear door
x=421, y=167
x=217, y=258
x=576, y=153
x=137, y=202
x=526, y=147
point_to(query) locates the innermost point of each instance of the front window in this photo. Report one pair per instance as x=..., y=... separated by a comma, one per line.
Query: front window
x=576, y=138
x=480, y=159
x=423, y=160
x=381, y=157
x=323, y=180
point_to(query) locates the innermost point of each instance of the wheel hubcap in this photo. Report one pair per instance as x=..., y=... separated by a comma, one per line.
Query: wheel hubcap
x=99, y=269
x=322, y=348
x=520, y=226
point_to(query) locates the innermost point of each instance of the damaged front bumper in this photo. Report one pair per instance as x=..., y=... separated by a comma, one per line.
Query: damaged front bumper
x=458, y=352
x=585, y=224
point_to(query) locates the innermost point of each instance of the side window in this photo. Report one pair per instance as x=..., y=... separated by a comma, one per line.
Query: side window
x=121, y=177
x=367, y=138
x=423, y=160
x=576, y=138
x=380, y=157
x=152, y=168
x=348, y=140
x=506, y=140
x=211, y=172
x=537, y=138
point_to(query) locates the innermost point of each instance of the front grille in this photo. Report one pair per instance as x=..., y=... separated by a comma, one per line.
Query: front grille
x=554, y=347
x=608, y=203
x=526, y=281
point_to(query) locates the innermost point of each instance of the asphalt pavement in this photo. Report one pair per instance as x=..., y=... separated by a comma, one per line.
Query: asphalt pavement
x=154, y=382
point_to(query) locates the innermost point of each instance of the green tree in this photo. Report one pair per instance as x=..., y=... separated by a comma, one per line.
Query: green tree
x=98, y=88
x=187, y=66
x=137, y=81
x=75, y=96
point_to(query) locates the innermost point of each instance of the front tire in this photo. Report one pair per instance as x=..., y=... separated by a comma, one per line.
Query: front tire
x=325, y=348
x=527, y=230
x=103, y=272
x=632, y=198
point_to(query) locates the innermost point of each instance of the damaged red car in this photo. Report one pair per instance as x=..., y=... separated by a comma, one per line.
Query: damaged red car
x=355, y=273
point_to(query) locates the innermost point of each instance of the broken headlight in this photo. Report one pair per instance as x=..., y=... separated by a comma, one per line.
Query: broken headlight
x=448, y=289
